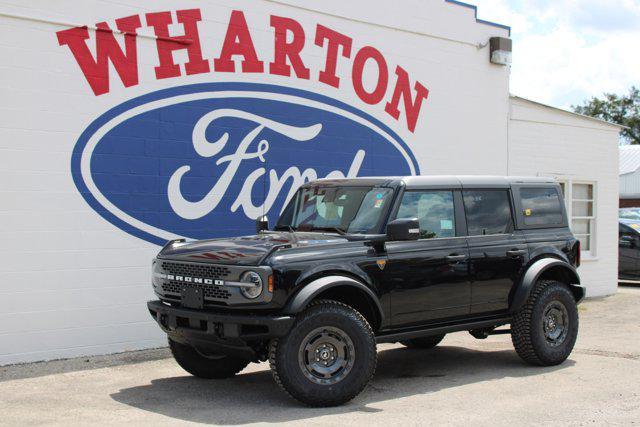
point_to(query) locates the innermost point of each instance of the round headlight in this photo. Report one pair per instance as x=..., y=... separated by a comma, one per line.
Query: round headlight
x=255, y=290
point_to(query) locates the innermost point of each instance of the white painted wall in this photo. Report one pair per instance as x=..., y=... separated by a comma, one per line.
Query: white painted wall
x=549, y=142
x=74, y=284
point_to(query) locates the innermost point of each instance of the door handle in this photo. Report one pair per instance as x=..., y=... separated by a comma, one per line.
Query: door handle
x=514, y=253
x=455, y=257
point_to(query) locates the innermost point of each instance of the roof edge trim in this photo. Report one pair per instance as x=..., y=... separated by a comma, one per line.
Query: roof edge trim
x=601, y=121
x=478, y=20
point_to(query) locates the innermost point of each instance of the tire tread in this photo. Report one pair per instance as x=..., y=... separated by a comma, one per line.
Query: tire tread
x=521, y=332
x=337, y=307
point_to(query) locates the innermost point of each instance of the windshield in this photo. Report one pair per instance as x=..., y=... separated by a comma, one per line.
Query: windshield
x=629, y=213
x=355, y=210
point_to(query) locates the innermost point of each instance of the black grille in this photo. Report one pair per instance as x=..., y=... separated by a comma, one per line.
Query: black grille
x=212, y=292
x=195, y=270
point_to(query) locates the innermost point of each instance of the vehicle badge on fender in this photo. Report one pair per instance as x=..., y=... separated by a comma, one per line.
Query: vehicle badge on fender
x=205, y=160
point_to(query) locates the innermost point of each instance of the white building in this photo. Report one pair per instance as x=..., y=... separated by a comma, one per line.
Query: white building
x=110, y=141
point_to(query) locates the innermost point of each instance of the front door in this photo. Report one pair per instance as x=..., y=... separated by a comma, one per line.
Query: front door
x=429, y=278
x=497, y=253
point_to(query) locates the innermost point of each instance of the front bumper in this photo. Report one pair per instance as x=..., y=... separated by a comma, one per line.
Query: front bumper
x=232, y=334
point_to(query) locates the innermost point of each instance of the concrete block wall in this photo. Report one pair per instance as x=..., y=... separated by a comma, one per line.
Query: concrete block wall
x=74, y=280
x=548, y=142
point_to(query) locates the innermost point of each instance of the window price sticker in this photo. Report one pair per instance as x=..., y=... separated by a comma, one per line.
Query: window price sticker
x=446, y=224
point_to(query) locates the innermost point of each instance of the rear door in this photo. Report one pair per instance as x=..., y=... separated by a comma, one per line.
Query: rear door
x=429, y=278
x=497, y=252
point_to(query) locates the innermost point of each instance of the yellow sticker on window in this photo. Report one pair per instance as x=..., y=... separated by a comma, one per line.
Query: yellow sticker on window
x=636, y=226
x=527, y=212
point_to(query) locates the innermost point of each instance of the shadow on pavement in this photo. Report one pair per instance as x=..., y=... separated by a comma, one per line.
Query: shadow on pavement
x=254, y=397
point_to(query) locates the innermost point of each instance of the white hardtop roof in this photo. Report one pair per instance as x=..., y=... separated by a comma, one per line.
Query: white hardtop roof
x=434, y=181
x=473, y=180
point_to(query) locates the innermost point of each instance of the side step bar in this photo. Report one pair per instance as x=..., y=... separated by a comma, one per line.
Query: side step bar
x=441, y=329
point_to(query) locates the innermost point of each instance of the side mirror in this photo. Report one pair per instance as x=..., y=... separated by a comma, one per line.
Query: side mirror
x=262, y=223
x=403, y=229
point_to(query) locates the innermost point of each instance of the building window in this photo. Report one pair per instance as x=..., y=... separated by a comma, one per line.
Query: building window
x=582, y=214
x=579, y=199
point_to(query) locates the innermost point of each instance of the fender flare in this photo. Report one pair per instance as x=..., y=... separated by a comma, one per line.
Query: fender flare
x=548, y=251
x=317, y=286
x=534, y=272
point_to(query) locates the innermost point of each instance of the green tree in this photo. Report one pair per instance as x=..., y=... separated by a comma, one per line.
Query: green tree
x=621, y=109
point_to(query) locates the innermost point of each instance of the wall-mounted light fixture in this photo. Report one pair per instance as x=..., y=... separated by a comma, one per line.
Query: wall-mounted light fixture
x=500, y=48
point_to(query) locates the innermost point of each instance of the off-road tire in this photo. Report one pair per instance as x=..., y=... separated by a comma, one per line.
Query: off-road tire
x=423, y=343
x=528, y=329
x=289, y=370
x=201, y=366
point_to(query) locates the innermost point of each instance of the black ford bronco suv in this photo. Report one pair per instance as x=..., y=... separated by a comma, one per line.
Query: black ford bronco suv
x=355, y=262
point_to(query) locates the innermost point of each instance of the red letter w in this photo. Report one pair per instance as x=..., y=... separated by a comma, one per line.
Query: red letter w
x=96, y=70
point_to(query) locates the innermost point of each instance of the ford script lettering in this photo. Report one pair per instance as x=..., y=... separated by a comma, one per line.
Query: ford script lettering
x=205, y=160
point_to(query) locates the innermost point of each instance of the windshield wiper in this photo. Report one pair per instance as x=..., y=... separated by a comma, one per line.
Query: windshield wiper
x=338, y=230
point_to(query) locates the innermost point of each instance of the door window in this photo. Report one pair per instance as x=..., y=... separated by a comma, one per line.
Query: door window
x=488, y=212
x=434, y=210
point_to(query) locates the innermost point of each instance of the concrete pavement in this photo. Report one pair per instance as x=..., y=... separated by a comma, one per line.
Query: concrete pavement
x=463, y=381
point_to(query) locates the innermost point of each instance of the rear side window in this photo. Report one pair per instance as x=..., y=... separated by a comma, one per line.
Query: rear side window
x=541, y=206
x=488, y=212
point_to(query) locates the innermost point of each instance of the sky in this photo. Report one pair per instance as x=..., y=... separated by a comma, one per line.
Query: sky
x=567, y=51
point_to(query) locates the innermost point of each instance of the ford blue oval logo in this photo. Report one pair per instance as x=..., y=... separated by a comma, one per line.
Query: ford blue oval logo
x=205, y=160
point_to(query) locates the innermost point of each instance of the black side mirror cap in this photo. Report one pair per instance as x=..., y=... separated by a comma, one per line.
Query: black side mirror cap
x=262, y=223
x=403, y=229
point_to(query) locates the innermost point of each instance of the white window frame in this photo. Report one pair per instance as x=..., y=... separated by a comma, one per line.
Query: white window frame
x=567, y=185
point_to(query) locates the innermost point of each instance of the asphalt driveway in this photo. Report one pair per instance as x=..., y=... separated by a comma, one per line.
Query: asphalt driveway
x=463, y=381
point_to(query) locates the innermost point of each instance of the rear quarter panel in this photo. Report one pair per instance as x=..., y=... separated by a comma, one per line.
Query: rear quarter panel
x=554, y=242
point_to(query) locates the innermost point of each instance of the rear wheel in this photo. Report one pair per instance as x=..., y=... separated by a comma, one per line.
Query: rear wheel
x=205, y=366
x=423, y=342
x=327, y=358
x=544, y=331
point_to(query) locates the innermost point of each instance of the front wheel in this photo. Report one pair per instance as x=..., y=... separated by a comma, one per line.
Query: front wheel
x=327, y=358
x=544, y=331
x=205, y=366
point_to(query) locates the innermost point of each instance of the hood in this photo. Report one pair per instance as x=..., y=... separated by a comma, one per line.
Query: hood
x=246, y=250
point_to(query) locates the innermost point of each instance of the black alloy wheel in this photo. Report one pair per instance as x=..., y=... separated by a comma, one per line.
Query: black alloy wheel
x=545, y=329
x=326, y=355
x=327, y=358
